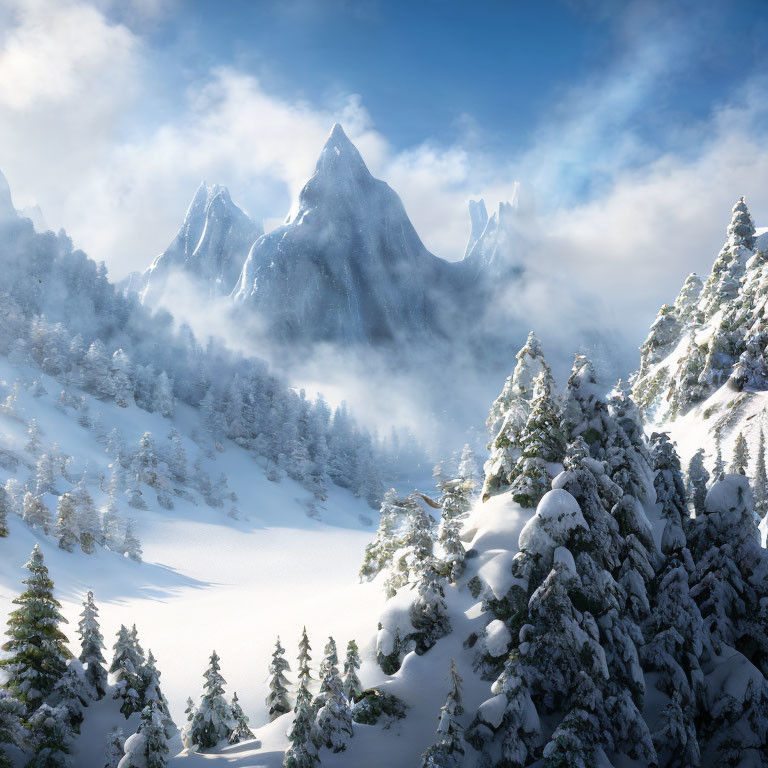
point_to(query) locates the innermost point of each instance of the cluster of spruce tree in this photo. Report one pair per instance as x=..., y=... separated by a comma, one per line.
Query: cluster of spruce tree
x=46, y=690
x=717, y=329
x=602, y=603
x=78, y=328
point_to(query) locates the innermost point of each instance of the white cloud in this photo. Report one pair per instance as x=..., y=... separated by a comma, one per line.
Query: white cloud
x=79, y=133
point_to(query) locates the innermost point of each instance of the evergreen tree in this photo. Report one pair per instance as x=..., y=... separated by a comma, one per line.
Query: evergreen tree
x=698, y=477
x=115, y=748
x=71, y=694
x=49, y=738
x=152, y=693
x=741, y=230
x=448, y=748
x=730, y=582
x=33, y=446
x=148, y=747
x=330, y=660
x=759, y=481
x=509, y=415
x=36, y=513
x=379, y=552
x=127, y=662
x=540, y=443
x=670, y=492
x=242, y=731
x=87, y=517
x=302, y=752
x=352, y=686
x=11, y=730
x=277, y=699
x=131, y=545
x=304, y=658
x=429, y=613
x=67, y=530
x=213, y=721
x=334, y=719
x=517, y=734
x=740, y=460
x=37, y=655
x=718, y=471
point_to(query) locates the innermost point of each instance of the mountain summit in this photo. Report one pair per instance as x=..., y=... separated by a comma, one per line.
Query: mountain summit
x=210, y=246
x=348, y=266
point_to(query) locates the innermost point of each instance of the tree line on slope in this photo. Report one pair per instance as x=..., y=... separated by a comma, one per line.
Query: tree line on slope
x=76, y=326
x=599, y=606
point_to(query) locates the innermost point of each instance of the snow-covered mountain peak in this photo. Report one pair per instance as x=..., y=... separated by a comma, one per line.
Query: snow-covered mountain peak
x=210, y=247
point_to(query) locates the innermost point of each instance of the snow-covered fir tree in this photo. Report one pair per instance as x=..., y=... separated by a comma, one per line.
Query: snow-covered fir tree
x=114, y=748
x=447, y=751
x=50, y=738
x=698, y=480
x=127, y=662
x=330, y=661
x=67, y=528
x=213, y=721
x=352, y=686
x=242, y=730
x=740, y=458
x=334, y=718
x=36, y=652
x=12, y=733
x=36, y=513
x=277, y=700
x=148, y=747
x=303, y=672
x=5, y=508
x=302, y=751
x=509, y=414
x=759, y=479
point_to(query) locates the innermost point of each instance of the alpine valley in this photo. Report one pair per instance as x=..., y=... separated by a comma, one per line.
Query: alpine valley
x=586, y=588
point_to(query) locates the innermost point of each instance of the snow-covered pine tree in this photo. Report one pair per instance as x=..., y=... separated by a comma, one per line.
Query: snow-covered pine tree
x=378, y=553
x=334, y=719
x=277, y=699
x=741, y=230
x=88, y=520
x=151, y=692
x=447, y=751
x=148, y=747
x=718, y=471
x=329, y=662
x=67, y=529
x=127, y=662
x=506, y=729
x=509, y=414
x=33, y=446
x=540, y=442
x=114, y=748
x=213, y=721
x=759, y=481
x=36, y=513
x=698, y=478
x=352, y=686
x=664, y=334
x=45, y=477
x=131, y=544
x=670, y=492
x=303, y=671
x=91, y=644
x=242, y=730
x=50, y=738
x=302, y=751
x=415, y=551
x=37, y=654
x=71, y=694
x=429, y=613
x=740, y=458
x=730, y=582
x=12, y=732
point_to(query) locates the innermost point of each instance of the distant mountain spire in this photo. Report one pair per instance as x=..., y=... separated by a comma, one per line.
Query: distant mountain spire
x=7, y=211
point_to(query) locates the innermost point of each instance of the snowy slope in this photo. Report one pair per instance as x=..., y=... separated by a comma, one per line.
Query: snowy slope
x=207, y=581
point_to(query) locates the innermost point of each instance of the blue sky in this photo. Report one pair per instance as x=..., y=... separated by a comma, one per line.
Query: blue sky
x=632, y=126
x=437, y=69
